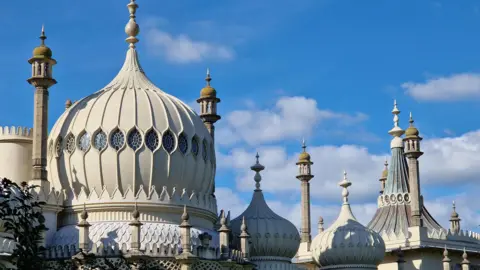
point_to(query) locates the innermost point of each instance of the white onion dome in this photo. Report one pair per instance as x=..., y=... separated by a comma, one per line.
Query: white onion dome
x=130, y=136
x=347, y=242
x=271, y=234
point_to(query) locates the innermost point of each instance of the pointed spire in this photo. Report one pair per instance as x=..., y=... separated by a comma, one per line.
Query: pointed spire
x=132, y=29
x=84, y=214
x=396, y=131
x=257, y=168
x=445, y=255
x=208, y=79
x=43, y=36
x=304, y=146
x=345, y=184
x=244, y=228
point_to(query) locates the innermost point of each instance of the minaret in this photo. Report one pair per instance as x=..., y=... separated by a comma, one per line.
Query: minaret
x=305, y=175
x=446, y=260
x=320, y=225
x=465, y=261
x=383, y=178
x=412, y=152
x=208, y=105
x=135, y=229
x=83, y=231
x=454, y=220
x=42, y=69
x=244, y=240
x=224, y=233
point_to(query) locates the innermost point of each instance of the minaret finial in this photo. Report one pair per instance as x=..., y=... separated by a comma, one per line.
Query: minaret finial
x=345, y=184
x=304, y=145
x=42, y=36
x=132, y=29
x=396, y=131
x=257, y=168
x=208, y=79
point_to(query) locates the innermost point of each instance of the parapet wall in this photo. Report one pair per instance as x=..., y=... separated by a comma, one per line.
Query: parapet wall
x=16, y=153
x=16, y=133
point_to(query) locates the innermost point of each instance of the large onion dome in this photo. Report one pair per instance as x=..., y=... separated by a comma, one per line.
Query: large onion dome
x=132, y=137
x=271, y=234
x=347, y=243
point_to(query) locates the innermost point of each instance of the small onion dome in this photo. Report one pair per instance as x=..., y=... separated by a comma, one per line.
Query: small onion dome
x=271, y=235
x=347, y=242
x=42, y=51
x=385, y=170
x=304, y=157
x=454, y=214
x=411, y=131
x=208, y=91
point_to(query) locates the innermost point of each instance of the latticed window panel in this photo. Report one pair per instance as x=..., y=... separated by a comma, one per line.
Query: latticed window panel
x=117, y=140
x=70, y=144
x=194, y=146
x=163, y=265
x=168, y=141
x=84, y=142
x=204, y=150
x=58, y=147
x=207, y=265
x=135, y=139
x=183, y=143
x=100, y=140
x=151, y=140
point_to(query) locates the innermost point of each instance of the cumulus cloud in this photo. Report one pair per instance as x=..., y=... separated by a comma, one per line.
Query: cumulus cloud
x=450, y=88
x=290, y=118
x=450, y=160
x=182, y=49
x=439, y=207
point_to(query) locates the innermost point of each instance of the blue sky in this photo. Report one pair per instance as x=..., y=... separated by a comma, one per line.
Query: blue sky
x=324, y=70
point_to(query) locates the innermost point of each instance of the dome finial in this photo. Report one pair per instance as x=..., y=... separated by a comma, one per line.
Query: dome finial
x=345, y=184
x=42, y=36
x=208, y=79
x=396, y=131
x=257, y=168
x=304, y=146
x=132, y=29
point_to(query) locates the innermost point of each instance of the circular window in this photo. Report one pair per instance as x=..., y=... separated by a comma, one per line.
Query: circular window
x=58, y=147
x=183, y=143
x=204, y=150
x=100, y=140
x=135, y=139
x=151, y=140
x=84, y=142
x=70, y=144
x=194, y=146
x=168, y=141
x=117, y=140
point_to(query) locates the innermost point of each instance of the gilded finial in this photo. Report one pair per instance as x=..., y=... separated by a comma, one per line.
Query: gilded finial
x=345, y=184
x=132, y=29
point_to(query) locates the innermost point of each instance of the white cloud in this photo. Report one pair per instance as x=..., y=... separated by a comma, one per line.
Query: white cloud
x=450, y=88
x=182, y=49
x=291, y=118
x=451, y=160
x=440, y=208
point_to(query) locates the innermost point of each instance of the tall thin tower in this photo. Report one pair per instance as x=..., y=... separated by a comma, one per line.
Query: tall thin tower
x=42, y=69
x=305, y=175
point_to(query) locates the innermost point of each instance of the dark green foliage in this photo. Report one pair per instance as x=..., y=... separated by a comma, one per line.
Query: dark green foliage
x=22, y=217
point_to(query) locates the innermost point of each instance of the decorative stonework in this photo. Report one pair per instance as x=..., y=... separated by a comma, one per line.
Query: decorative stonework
x=393, y=199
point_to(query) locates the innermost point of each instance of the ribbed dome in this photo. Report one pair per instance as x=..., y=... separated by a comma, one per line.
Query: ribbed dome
x=347, y=241
x=271, y=234
x=131, y=134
